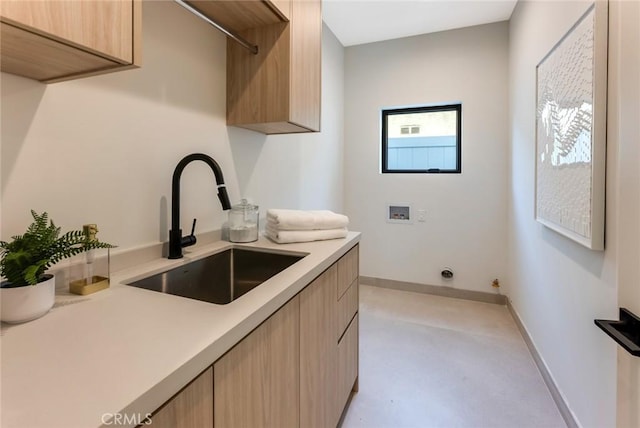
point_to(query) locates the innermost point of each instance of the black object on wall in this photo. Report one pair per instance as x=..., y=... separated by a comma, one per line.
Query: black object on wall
x=626, y=331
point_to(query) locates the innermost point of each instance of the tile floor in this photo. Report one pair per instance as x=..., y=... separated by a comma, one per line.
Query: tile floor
x=431, y=361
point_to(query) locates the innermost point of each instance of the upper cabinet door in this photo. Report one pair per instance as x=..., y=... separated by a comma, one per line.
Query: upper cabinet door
x=278, y=91
x=53, y=40
x=306, y=64
x=102, y=27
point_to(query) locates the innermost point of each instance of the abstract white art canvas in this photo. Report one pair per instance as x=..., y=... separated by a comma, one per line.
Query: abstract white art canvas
x=571, y=131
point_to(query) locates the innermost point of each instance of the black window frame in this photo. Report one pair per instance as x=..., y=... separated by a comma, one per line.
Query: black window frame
x=423, y=109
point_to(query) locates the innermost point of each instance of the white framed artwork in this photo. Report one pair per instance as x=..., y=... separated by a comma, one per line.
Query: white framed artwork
x=571, y=97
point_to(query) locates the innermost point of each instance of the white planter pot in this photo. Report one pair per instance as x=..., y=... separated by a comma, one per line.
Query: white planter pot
x=21, y=304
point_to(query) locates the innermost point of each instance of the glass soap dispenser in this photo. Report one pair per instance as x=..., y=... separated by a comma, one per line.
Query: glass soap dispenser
x=243, y=222
x=89, y=272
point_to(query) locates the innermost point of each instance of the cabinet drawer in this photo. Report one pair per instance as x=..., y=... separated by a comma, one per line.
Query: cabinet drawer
x=347, y=307
x=347, y=270
x=347, y=363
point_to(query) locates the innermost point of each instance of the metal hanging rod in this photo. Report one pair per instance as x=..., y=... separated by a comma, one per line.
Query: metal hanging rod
x=250, y=47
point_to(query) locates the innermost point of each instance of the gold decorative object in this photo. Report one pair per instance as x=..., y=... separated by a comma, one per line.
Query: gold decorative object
x=92, y=273
x=81, y=287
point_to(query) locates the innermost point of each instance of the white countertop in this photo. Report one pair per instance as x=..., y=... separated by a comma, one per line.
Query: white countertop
x=127, y=350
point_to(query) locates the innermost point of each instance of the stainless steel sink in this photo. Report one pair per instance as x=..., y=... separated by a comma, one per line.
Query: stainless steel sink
x=222, y=277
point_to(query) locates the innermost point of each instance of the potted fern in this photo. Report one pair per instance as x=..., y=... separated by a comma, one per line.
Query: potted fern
x=28, y=292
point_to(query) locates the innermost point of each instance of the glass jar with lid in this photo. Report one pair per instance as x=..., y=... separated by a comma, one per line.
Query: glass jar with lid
x=243, y=222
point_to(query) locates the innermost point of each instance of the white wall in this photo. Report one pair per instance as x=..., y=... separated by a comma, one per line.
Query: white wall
x=624, y=131
x=558, y=287
x=103, y=149
x=466, y=213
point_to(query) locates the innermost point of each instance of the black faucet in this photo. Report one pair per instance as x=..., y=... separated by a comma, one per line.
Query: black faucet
x=176, y=240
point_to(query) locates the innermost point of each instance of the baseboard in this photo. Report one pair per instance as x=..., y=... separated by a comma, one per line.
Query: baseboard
x=478, y=296
x=564, y=410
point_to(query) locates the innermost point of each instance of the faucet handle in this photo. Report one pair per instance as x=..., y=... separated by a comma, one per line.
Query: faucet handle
x=190, y=240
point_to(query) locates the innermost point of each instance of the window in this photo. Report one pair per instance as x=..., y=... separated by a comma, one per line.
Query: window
x=422, y=139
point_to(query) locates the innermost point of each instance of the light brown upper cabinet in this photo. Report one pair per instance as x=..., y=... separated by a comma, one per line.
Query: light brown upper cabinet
x=53, y=40
x=277, y=90
x=241, y=15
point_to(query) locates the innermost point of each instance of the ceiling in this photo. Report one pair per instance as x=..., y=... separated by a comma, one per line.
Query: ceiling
x=356, y=22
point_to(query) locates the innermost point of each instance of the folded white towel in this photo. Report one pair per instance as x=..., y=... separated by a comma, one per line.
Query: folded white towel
x=290, y=236
x=306, y=220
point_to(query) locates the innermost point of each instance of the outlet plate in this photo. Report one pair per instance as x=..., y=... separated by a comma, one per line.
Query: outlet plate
x=399, y=214
x=422, y=215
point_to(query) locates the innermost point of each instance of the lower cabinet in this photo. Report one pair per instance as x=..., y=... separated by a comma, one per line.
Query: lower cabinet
x=347, y=364
x=346, y=333
x=257, y=383
x=297, y=369
x=318, y=352
x=191, y=407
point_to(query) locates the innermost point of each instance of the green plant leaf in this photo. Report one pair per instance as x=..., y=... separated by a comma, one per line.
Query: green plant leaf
x=27, y=257
x=33, y=272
